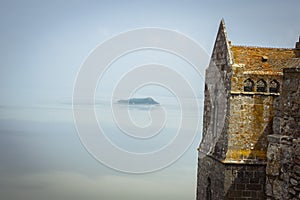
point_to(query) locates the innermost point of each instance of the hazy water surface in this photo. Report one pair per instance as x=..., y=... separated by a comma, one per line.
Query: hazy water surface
x=41, y=156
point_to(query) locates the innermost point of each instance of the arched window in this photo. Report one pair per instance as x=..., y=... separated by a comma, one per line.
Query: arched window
x=274, y=86
x=208, y=189
x=248, y=85
x=261, y=86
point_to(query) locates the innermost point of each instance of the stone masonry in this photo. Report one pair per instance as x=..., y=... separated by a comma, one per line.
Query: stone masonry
x=241, y=114
x=283, y=167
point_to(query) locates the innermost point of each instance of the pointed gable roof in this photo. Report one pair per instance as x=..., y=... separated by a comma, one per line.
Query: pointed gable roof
x=222, y=43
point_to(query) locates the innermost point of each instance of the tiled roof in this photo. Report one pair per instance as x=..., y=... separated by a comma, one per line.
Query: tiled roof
x=264, y=58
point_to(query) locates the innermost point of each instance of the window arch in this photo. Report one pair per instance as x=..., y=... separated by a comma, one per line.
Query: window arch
x=274, y=86
x=248, y=85
x=261, y=86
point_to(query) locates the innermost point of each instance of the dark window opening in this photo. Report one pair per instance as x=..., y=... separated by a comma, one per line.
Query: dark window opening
x=261, y=86
x=222, y=67
x=248, y=85
x=215, y=111
x=274, y=87
x=208, y=190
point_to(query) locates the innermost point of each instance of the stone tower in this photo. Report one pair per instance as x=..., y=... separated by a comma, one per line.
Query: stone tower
x=283, y=166
x=240, y=87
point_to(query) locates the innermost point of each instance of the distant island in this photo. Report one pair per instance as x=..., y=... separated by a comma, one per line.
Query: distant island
x=139, y=101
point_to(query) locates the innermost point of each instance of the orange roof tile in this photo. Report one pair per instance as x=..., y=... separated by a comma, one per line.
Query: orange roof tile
x=264, y=58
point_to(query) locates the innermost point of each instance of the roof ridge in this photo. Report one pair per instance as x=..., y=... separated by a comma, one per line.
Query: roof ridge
x=263, y=47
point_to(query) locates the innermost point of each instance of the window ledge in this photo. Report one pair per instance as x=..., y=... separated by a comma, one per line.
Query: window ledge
x=255, y=93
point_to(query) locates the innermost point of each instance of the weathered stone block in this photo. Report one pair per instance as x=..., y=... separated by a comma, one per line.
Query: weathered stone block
x=297, y=169
x=293, y=181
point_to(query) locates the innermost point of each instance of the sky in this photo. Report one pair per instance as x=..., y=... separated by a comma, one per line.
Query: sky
x=43, y=46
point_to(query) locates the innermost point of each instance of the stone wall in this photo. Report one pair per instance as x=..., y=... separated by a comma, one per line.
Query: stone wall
x=283, y=167
x=250, y=122
x=287, y=112
x=244, y=182
x=229, y=181
x=256, y=81
x=211, y=177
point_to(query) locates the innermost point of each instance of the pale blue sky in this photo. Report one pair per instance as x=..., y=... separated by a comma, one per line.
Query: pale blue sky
x=43, y=44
